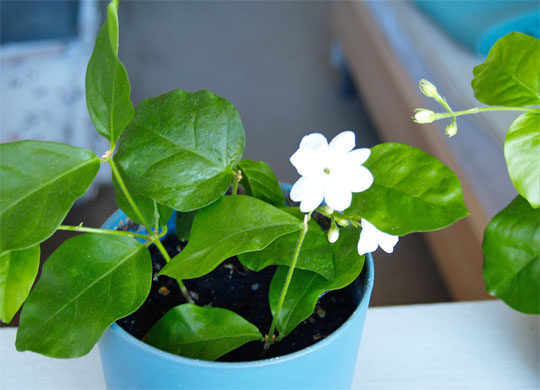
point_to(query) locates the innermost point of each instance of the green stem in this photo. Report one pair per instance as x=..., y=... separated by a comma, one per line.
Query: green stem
x=154, y=237
x=183, y=287
x=128, y=196
x=237, y=179
x=270, y=339
x=482, y=109
x=102, y=231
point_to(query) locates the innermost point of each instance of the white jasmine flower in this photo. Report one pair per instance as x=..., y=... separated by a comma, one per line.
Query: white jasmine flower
x=371, y=238
x=330, y=172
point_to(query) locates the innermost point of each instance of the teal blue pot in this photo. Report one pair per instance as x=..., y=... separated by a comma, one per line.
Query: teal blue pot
x=128, y=363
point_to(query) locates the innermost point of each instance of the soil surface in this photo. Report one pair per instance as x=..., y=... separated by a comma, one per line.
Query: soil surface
x=236, y=288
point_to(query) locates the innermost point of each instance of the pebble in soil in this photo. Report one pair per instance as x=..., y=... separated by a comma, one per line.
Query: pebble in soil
x=236, y=288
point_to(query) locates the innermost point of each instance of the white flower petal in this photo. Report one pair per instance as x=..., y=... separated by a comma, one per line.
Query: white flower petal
x=307, y=162
x=314, y=141
x=359, y=179
x=308, y=191
x=313, y=201
x=298, y=189
x=387, y=242
x=342, y=143
x=358, y=156
x=337, y=194
x=371, y=238
x=367, y=242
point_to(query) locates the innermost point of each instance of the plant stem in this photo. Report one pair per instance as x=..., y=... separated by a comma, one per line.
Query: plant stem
x=128, y=196
x=237, y=179
x=270, y=339
x=102, y=231
x=167, y=258
x=154, y=237
x=482, y=109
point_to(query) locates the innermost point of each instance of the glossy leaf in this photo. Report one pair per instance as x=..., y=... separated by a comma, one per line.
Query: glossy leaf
x=184, y=221
x=512, y=256
x=197, y=332
x=181, y=148
x=18, y=270
x=315, y=254
x=39, y=182
x=412, y=192
x=306, y=287
x=107, y=83
x=231, y=226
x=89, y=282
x=259, y=181
x=510, y=75
x=145, y=205
x=522, y=154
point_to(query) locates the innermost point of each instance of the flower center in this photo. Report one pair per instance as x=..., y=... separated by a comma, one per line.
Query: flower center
x=327, y=171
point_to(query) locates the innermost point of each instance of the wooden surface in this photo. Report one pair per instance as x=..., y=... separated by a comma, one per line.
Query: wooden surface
x=391, y=97
x=464, y=345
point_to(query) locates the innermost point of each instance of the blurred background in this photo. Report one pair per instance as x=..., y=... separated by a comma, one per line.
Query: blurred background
x=290, y=68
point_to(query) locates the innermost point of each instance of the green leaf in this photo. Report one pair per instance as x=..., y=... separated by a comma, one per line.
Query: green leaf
x=512, y=256
x=181, y=148
x=184, y=221
x=18, y=270
x=315, y=254
x=259, y=181
x=145, y=205
x=231, y=226
x=205, y=333
x=522, y=154
x=112, y=25
x=412, y=192
x=510, y=74
x=107, y=83
x=89, y=282
x=306, y=287
x=39, y=182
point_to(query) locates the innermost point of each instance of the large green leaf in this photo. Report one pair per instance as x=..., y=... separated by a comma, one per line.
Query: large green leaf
x=315, y=254
x=39, y=182
x=18, y=269
x=144, y=204
x=181, y=148
x=512, y=256
x=306, y=287
x=89, y=282
x=510, y=75
x=107, y=83
x=205, y=333
x=231, y=226
x=259, y=181
x=522, y=154
x=412, y=192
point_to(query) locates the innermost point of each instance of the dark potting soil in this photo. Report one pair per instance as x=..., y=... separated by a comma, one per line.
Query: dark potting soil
x=236, y=288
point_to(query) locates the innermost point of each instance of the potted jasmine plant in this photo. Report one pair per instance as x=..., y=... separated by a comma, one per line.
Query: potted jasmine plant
x=211, y=275
x=509, y=80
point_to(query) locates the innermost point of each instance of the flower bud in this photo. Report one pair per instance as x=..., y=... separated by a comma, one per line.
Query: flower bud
x=343, y=222
x=428, y=89
x=326, y=211
x=451, y=129
x=333, y=234
x=421, y=115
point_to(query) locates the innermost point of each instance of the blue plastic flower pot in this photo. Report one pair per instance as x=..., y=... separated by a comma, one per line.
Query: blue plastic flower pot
x=129, y=363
